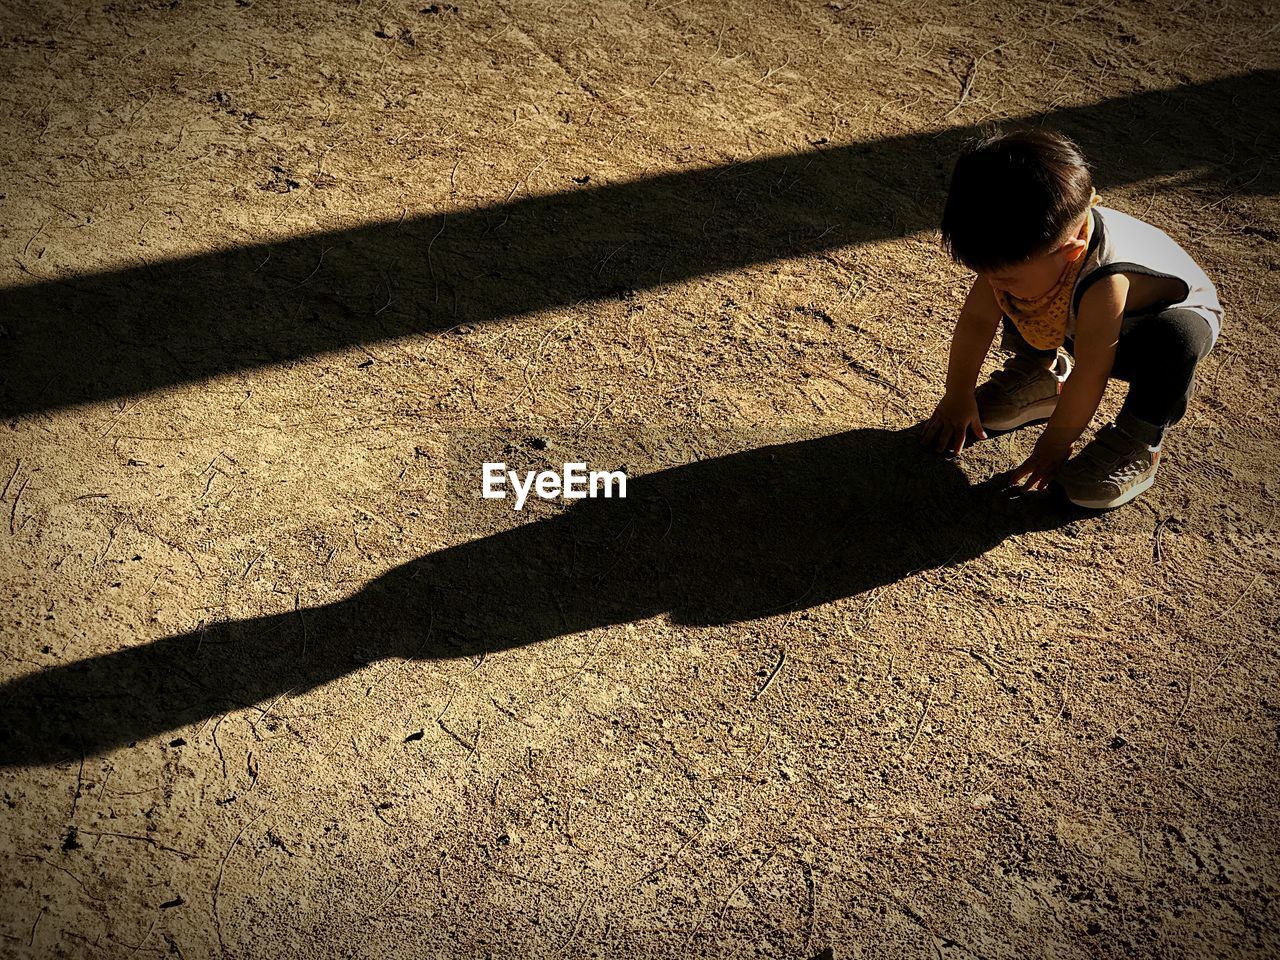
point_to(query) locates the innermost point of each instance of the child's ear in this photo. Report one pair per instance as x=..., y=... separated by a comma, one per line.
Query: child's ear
x=1075, y=248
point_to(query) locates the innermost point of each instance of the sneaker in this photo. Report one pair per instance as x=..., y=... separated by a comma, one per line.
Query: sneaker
x=1112, y=469
x=1021, y=391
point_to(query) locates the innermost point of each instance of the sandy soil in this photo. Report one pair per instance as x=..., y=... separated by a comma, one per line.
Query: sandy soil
x=279, y=276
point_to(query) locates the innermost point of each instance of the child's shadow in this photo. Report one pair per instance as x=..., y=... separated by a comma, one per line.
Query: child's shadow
x=718, y=541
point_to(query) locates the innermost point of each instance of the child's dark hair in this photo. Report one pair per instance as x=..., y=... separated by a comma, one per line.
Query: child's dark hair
x=1013, y=196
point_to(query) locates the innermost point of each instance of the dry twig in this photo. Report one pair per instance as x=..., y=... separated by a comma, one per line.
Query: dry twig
x=920, y=723
x=217, y=887
x=782, y=658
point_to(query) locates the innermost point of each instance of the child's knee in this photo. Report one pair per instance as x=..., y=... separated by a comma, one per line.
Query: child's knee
x=1176, y=339
x=1194, y=335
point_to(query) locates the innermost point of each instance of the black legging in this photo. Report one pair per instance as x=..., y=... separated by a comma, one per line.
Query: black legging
x=1156, y=354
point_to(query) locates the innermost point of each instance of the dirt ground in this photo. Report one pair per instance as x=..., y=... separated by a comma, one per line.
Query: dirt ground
x=278, y=277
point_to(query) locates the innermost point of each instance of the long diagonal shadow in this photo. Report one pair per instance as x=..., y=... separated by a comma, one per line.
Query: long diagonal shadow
x=130, y=331
x=722, y=540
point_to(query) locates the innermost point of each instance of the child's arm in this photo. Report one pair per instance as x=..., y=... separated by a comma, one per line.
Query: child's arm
x=958, y=410
x=1097, y=331
x=975, y=329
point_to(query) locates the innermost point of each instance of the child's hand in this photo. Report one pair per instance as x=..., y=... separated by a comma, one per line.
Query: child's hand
x=946, y=429
x=1039, y=469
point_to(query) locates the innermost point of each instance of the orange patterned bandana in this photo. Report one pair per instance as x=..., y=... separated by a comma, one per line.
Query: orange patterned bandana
x=1043, y=321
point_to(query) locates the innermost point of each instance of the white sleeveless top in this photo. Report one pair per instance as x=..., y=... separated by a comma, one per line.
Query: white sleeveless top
x=1125, y=244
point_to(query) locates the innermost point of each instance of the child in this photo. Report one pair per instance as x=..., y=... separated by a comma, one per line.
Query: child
x=1084, y=293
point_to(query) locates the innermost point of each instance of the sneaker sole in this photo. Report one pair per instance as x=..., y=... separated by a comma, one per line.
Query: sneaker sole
x=1040, y=410
x=1124, y=498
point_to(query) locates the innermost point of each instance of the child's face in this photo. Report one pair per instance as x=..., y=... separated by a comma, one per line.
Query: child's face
x=1036, y=276
x=1030, y=279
